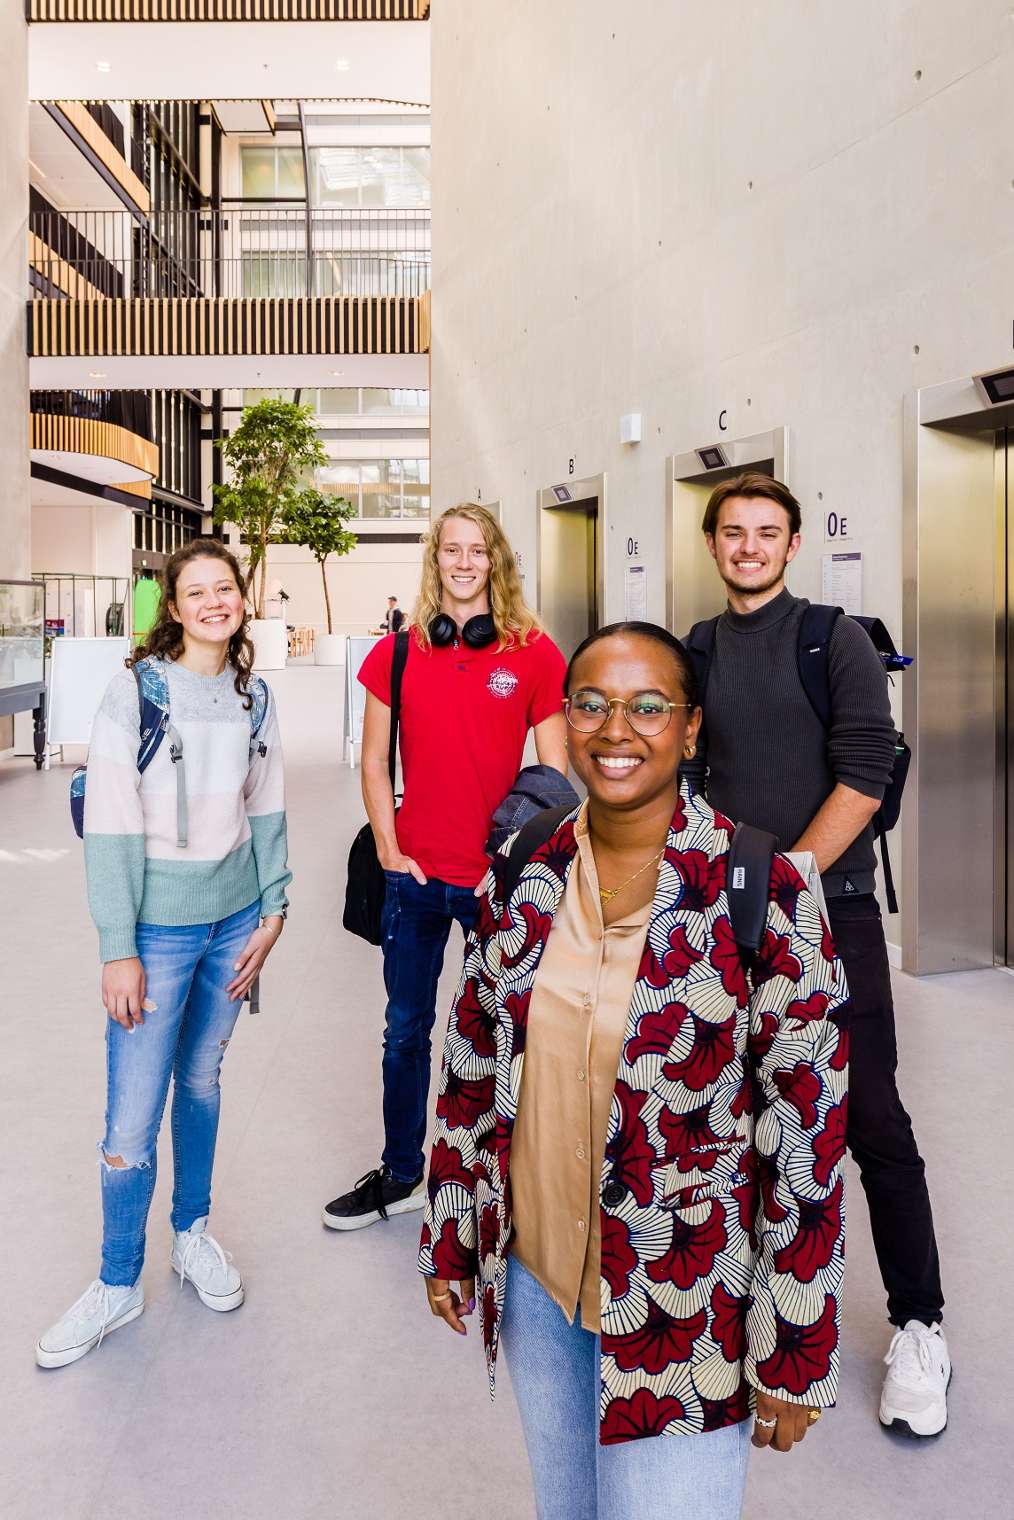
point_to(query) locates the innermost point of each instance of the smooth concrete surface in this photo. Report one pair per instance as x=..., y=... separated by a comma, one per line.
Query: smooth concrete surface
x=332, y=1392
x=15, y=509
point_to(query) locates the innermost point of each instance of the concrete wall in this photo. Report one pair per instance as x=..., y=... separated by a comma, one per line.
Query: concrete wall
x=790, y=214
x=15, y=521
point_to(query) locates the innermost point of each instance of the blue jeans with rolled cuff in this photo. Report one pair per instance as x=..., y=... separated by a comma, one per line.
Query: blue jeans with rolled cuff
x=187, y=969
x=415, y=925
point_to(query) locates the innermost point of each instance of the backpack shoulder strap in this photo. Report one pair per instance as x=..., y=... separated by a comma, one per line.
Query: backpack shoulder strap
x=700, y=646
x=153, y=708
x=529, y=838
x=748, y=878
x=260, y=701
x=815, y=630
x=399, y=660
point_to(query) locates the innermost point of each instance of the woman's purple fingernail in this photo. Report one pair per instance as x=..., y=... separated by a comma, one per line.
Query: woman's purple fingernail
x=471, y=1304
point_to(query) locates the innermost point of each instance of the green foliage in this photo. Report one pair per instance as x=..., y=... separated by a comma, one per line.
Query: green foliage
x=274, y=448
x=317, y=522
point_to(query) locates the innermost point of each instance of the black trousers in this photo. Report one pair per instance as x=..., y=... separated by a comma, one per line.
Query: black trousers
x=879, y=1130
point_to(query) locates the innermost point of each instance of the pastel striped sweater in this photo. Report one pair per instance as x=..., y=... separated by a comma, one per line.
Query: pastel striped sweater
x=236, y=851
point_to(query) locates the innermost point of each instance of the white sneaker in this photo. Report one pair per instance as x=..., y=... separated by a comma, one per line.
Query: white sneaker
x=914, y=1397
x=199, y=1257
x=100, y=1310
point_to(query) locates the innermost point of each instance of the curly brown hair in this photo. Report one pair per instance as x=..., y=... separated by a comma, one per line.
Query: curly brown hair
x=165, y=638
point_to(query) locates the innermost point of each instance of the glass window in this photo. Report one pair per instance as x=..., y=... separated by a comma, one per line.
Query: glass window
x=381, y=176
x=290, y=172
x=258, y=171
x=339, y=402
x=337, y=177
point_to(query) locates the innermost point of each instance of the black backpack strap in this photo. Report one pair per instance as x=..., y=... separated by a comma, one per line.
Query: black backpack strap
x=748, y=878
x=815, y=630
x=700, y=646
x=398, y=661
x=530, y=837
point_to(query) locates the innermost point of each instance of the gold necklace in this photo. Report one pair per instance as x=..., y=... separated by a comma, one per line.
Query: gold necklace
x=606, y=894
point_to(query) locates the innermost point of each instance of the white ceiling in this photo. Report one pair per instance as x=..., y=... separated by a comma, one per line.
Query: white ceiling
x=60, y=171
x=45, y=495
x=105, y=472
x=229, y=60
x=407, y=371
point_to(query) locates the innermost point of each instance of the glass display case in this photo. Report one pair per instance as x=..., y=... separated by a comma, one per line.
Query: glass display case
x=21, y=633
x=22, y=655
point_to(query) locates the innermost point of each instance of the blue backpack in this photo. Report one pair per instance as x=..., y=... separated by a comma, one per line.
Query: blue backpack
x=155, y=725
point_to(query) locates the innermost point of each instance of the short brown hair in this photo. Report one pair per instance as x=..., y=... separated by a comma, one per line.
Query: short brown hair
x=751, y=483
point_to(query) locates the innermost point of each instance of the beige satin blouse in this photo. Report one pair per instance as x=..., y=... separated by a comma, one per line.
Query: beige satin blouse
x=576, y=1022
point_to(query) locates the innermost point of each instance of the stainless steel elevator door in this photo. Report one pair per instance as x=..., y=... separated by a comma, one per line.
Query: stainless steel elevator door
x=568, y=572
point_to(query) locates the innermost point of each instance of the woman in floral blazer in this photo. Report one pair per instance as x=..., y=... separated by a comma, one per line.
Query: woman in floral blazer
x=712, y=1228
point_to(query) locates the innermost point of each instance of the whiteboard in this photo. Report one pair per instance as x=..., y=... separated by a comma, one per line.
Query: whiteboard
x=80, y=672
x=357, y=647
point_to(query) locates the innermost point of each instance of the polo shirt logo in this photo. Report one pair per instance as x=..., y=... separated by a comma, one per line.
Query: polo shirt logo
x=502, y=682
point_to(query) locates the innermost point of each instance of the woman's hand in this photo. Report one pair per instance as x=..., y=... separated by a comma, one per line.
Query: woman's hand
x=123, y=992
x=446, y=1305
x=792, y=1421
x=402, y=865
x=253, y=955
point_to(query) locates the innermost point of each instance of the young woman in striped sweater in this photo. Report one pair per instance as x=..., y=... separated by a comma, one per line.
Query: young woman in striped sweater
x=183, y=930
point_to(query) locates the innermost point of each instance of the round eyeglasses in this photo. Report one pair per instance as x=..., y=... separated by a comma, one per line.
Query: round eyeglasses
x=647, y=712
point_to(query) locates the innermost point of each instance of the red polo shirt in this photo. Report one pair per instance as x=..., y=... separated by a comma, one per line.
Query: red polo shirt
x=465, y=715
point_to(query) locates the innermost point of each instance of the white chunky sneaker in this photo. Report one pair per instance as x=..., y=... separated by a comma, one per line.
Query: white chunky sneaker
x=100, y=1310
x=914, y=1398
x=197, y=1256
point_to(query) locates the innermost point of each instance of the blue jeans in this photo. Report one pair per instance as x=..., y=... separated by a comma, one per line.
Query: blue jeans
x=554, y=1369
x=415, y=924
x=187, y=970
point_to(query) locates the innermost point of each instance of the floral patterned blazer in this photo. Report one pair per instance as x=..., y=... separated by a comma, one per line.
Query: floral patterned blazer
x=721, y=1193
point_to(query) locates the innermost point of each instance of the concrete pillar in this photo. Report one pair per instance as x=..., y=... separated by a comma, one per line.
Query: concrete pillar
x=15, y=510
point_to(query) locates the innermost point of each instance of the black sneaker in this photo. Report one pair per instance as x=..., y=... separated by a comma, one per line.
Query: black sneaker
x=374, y=1197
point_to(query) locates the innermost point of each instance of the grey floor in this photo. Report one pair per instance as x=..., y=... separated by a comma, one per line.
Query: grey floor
x=332, y=1392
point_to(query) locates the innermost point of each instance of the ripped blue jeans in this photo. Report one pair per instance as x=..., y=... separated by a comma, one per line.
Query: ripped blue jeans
x=187, y=970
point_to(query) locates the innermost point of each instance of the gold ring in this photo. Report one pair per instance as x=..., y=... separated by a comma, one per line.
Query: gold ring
x=813, y=1415
x=440, y=1298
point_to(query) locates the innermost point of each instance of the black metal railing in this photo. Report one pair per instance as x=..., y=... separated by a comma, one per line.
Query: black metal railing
x=108, y=120
x=126, y=409
x=250, y=251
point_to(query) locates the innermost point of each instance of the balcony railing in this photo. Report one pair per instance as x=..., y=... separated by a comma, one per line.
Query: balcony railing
x=227, y=10
x=126, y=409
x=267, y=251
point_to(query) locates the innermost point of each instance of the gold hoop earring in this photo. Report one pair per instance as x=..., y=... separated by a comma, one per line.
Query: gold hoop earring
x=689, y=751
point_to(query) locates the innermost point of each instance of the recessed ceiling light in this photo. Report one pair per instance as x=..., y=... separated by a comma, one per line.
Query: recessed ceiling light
x=104, y=67
x=96, y=374
x=342, y=65
x=338, y=372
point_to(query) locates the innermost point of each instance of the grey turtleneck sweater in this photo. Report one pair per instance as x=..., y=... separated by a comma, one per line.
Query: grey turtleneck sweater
x=770, y=761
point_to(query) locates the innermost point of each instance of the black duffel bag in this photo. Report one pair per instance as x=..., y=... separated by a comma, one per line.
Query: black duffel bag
x=365, y=886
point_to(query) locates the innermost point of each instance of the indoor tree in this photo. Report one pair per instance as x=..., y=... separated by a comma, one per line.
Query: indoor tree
x=317, y=522
x=274, y=449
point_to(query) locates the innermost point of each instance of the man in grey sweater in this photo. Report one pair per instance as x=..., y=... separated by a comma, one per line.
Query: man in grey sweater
x=772, y=763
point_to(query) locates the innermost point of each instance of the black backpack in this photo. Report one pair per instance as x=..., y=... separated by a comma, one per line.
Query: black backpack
x=748, y=874
x=365, y=886
x=815, y=630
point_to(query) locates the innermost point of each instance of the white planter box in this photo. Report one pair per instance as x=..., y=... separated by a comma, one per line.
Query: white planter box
x=271, y=643
x=329, y=649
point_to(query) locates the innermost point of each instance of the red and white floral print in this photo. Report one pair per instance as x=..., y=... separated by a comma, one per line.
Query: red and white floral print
x=723, y=1236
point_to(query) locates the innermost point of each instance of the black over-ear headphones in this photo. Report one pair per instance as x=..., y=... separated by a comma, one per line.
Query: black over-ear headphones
x=477, y=632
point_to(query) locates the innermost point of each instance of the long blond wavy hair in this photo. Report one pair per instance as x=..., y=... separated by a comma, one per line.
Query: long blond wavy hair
x=514, y=619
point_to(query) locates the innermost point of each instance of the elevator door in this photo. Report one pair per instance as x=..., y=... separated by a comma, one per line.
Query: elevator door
x=569, y=570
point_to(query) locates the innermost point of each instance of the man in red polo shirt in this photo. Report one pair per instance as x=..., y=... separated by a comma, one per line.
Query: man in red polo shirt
x=475, y=682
